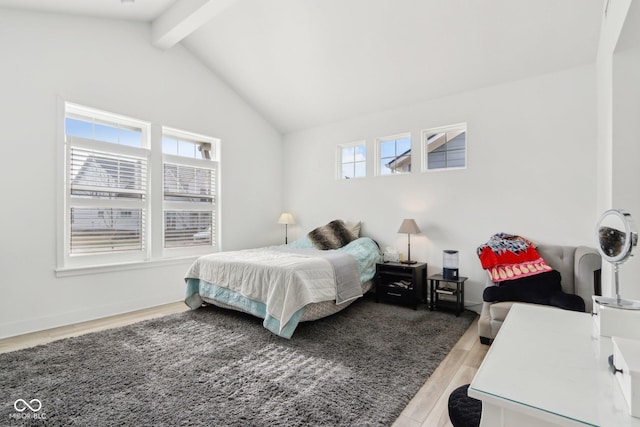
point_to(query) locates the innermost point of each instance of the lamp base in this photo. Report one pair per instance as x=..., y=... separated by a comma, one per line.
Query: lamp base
x=408, y=261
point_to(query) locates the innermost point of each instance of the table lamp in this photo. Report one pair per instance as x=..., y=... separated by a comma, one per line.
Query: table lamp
x=286, y=218
x=410, y=227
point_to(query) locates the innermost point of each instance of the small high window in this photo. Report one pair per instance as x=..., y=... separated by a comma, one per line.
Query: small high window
x=394, y=154
x=445, y=147
x=352, y=160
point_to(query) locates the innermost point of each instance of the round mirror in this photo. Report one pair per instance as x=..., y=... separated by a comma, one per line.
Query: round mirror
x=616, y=236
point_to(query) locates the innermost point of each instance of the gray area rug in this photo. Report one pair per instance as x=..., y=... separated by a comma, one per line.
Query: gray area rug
x=217, y=367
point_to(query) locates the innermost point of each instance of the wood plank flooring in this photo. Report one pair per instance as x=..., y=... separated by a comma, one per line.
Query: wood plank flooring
x=427, y=409
x=43, y=337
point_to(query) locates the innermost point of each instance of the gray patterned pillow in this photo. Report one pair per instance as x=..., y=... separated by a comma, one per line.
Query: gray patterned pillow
x=331, y=236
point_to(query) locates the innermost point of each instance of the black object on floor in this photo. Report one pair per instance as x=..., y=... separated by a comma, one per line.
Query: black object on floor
x=464, y=411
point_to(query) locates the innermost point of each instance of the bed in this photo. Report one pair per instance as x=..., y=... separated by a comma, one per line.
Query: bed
x=288, y=284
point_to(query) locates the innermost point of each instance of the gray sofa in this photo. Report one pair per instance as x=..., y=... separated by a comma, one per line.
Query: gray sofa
x=579, y=269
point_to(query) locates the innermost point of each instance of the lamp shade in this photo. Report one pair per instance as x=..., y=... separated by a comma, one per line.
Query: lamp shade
x=286, y=218
x=409, y=226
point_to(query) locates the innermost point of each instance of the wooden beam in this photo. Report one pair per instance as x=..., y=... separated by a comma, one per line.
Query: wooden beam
x=183, y=18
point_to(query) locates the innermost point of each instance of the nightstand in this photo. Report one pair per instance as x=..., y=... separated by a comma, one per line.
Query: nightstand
x=401, y=283
x=443, y=291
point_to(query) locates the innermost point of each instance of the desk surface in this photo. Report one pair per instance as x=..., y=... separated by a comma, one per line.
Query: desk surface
x=549, y=363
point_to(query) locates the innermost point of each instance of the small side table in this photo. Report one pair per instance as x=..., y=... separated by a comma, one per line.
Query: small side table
x=401, y=283
x=437, y=288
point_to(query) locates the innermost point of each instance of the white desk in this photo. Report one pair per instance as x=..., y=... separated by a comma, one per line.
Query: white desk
x=547, y=367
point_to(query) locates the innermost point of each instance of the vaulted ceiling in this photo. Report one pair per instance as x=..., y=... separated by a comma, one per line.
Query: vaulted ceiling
x=303, y=63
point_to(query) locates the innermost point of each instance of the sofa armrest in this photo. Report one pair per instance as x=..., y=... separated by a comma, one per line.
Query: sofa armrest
x=587, y=264
x=484, y=324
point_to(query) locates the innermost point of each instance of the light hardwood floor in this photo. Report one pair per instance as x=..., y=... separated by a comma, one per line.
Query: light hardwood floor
x=43, y=337
x=427, y=409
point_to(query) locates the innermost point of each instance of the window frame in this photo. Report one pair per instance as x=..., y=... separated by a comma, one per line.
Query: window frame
x=340, y=163
x=154, y=253
x=70, y=142
x=425, y=133
x=212, y=164
x=378, y=150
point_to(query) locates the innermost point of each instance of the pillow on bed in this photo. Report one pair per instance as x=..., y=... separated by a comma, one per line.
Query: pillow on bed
x=331, y=236
x=355, y=228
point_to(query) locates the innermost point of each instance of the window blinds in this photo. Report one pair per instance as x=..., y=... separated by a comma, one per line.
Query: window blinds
x=107, y=194
x=189, y=195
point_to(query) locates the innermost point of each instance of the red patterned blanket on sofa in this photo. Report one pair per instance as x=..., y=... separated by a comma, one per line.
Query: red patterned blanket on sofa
x=508, y=256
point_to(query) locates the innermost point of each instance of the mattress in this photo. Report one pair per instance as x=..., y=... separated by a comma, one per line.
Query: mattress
x=313, y=311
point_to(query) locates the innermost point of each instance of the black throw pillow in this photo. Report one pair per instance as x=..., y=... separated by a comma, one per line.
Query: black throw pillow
x=535, y=289
x=544, y=288
x=568, y=301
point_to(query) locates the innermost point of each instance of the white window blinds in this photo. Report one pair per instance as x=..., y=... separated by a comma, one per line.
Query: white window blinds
x=134, y=191
x=106, y=184
x=192, y=191
x=107, y=175
x=100, y=230
x=190, y=188
x=107, y=195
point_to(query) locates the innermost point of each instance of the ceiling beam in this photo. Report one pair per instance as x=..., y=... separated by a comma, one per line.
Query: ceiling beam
x=183, y=18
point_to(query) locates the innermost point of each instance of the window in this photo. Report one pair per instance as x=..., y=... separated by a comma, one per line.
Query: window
x=394, y=154
x=190, y=166
x=106, y=184
x=109, y=196
x=445, y=147
x=352, y=160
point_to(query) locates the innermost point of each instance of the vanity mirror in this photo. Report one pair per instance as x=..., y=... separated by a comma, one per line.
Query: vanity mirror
x=617, y=237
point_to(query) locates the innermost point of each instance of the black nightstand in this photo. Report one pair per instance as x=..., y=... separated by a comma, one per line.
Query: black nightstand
x=401, y=283
x=441, y=294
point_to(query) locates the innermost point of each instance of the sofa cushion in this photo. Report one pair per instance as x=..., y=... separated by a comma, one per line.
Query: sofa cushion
x=500, y=310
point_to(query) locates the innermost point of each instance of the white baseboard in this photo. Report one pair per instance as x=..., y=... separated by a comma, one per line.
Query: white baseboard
x=38, y=324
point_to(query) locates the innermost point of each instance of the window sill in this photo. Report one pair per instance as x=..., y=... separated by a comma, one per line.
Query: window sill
x=452, y=168
x=110, y=268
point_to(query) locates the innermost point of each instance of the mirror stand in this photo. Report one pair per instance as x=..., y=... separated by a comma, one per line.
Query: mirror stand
x=617, y=301
x=616, y=240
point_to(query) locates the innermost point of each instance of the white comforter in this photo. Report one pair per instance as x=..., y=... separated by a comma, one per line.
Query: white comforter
x=284, y=281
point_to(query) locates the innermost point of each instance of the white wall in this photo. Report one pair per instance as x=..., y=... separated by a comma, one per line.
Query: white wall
x=626, y=135
x=531, y=171
x=618, y=66
x=111, y=65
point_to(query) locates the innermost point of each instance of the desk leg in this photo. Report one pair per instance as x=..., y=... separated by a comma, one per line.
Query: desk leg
x=491, y=416
x=431, y=294
x=496, y=416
